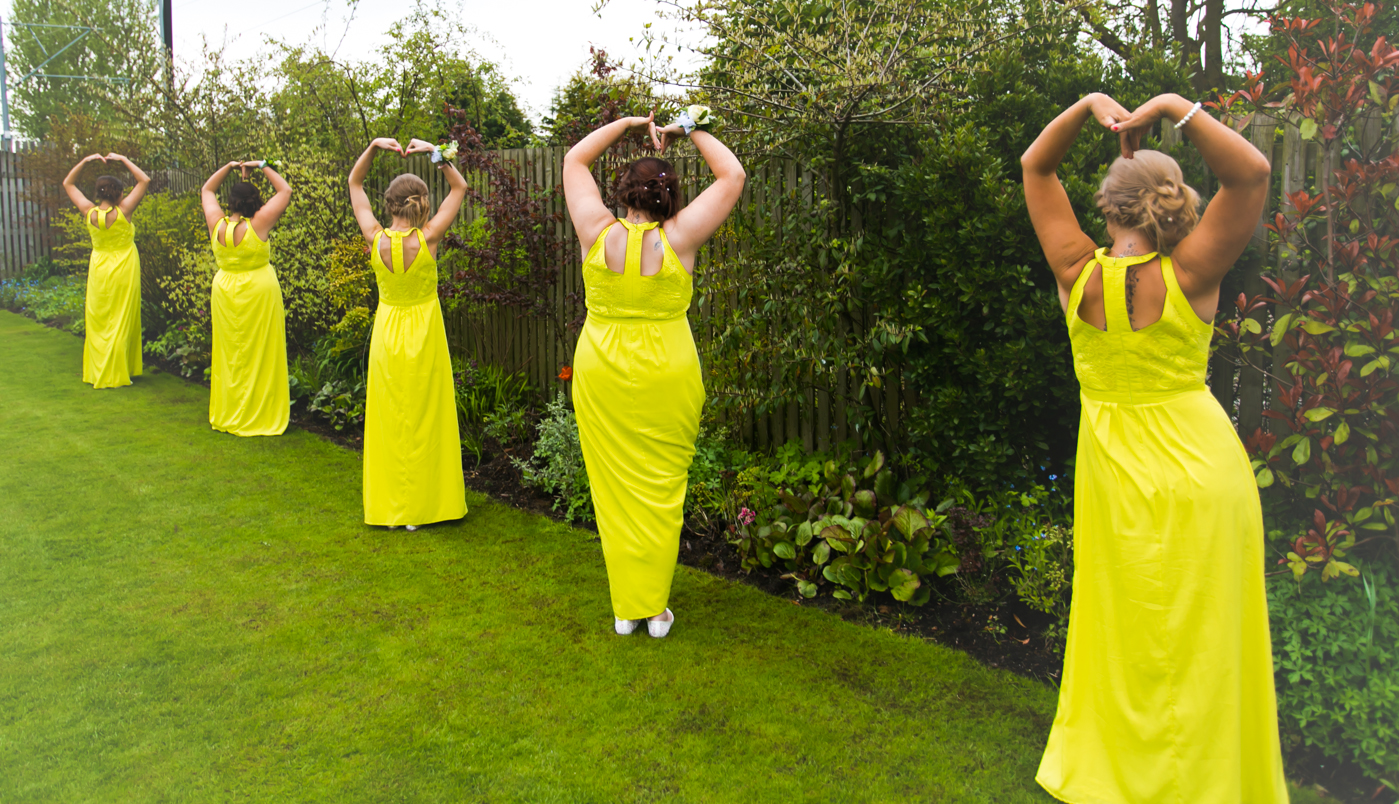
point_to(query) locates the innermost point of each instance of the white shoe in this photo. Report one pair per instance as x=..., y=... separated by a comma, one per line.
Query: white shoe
x=625, y=627
x=659, y=628
x=410, y=527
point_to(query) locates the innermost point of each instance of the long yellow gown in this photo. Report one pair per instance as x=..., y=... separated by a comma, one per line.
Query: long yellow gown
x=112, y=346
x=412, y=447
x=637, y=393
x=248, y=390
x=1167, y=694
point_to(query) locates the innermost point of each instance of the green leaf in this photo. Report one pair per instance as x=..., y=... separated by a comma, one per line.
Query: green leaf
x=1378, y=363
x=1265, y=478
x=1307, y=128
x=794, y=503
x=1280, y=328
x=840, y=594
x=1342, y=434
x=804, y=534
x=821, y=553
x=1251, y=325
x=807, y=588
x=1314, y=327
x=884, y=485
x=909, y=521
x=944, y=563
x=1317, y=414
x=785, y=550
x=1302, y=452
x=865, y=503
x=1355, y=349
x=903, y=583
x=876, y=464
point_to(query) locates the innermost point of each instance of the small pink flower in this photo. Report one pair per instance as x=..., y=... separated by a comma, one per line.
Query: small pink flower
x=746, y=517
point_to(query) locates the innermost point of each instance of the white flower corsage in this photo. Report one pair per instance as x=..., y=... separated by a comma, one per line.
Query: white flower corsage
x=694, y=117
x=275, y=164
x=444, y=153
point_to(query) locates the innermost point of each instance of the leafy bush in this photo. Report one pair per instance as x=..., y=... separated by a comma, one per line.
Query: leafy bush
x=557, y=467
x=487, y=396
x=1336, y=655
x=59, y=300
x=188, y=345
x=1330, y=463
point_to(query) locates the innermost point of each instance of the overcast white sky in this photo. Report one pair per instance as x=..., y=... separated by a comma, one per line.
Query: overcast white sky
x=540, y=42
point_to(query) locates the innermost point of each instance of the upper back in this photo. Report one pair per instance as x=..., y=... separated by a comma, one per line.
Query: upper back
x=237, y=246
x=109, y=228
x=403, y=281
x=663, y=293
x=1168, y=355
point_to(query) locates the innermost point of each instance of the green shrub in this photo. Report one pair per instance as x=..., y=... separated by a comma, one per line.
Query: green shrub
x=1336, y=655
x=189, y=345
x=59, y=300
x=557, y=467
x=491, y=403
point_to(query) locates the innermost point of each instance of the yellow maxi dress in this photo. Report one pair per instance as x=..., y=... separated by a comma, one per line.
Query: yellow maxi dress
x=1167, y=695
x=248, y=390
x=637, y=393
x=412, y=447
x=112, y=345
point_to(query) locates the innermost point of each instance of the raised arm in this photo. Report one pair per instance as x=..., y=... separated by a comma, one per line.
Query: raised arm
x=447, y=211
x=590, y=216
x=1207, y=253
x=271, y=212
x=133, y=199
x=70, y=185
x=701, y=218
x=209, y=196
x=359, y=201
x=1065, y=246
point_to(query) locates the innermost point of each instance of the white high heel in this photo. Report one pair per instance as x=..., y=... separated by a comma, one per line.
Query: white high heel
x=625, y=627
x=659, y=628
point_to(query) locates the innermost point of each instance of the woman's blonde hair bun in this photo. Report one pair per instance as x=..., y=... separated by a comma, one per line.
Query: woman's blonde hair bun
x=407, y=198
x=1148, y=193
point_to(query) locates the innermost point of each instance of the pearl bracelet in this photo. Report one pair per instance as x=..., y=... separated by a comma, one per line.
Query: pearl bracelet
x=1190, y=114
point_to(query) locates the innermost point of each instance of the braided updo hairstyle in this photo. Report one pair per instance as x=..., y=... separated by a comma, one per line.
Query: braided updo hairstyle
x=650, y=185
x=407, y=198
x=1148, y=193
x=107, y=188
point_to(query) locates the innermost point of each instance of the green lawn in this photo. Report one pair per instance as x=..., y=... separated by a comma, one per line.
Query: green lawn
x=190, y=616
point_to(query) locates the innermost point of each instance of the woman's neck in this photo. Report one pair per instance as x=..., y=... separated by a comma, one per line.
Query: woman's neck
x=637, y=216
x=1130, y=243
x=400, y=225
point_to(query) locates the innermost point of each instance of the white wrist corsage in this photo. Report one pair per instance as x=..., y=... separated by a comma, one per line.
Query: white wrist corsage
x=275, y=164
x=444, y=153
x=694, y=117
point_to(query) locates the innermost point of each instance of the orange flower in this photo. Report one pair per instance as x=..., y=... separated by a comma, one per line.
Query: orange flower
x=566, y=373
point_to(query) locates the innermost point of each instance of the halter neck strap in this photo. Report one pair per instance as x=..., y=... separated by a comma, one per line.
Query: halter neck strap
x=635, y=231
x=396, y=247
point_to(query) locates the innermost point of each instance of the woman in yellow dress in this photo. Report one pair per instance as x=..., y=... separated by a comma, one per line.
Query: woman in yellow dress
x=637, y=389
x=248, y=390
x=1167, y=692
x=412, y=447
x=112, y=343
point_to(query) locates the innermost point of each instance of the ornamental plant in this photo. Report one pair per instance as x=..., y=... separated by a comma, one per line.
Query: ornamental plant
x=857, y=533
x=1329, y=457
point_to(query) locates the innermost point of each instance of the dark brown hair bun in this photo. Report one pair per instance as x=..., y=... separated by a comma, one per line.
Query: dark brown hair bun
x=650, y=185
x=244, y=199
x=109, y=189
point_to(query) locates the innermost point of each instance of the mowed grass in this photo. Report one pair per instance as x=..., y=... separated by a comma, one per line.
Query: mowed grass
x=190, y=616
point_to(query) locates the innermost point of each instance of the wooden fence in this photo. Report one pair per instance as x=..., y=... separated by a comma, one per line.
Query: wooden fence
x=25, y=235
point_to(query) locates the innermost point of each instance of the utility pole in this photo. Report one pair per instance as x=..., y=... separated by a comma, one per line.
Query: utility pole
x=4, y=94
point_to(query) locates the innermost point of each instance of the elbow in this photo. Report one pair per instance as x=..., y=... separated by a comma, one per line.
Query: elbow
x=1259, y=171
